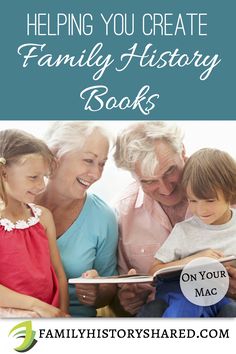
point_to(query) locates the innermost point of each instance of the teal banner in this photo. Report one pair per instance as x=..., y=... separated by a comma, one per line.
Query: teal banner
x=122, y=60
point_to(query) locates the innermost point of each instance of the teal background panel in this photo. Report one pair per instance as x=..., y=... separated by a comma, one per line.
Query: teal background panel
x=54, y=93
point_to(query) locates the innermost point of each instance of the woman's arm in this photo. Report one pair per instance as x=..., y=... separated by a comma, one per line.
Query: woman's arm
x=157, y=265
x=105, y=264
x=48, y=223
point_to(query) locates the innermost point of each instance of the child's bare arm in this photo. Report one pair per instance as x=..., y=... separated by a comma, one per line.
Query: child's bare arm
x=206, y=253
x=14, y=300
x=48, y=223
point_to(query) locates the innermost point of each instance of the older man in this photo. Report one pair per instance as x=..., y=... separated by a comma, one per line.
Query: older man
x=155, y=155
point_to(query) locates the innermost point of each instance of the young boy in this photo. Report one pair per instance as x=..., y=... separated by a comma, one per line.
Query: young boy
x=209, y=179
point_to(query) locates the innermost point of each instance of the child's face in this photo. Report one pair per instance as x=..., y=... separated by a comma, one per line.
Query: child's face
x=25, y=179
x=214, y=211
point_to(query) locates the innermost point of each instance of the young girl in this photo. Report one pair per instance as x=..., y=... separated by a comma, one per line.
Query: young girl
x=209, y=179
x=31, y=273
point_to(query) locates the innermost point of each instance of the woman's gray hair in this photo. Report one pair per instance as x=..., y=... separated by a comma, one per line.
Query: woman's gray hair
x=136, y=143
x=65, y=136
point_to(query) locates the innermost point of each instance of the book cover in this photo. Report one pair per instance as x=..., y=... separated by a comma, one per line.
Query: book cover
x=164, y=273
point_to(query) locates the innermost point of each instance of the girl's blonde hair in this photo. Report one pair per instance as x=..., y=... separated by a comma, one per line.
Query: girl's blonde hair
x=16, y=143
x=209, y=171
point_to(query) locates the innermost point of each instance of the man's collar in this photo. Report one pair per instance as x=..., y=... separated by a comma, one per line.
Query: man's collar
x=140, y=198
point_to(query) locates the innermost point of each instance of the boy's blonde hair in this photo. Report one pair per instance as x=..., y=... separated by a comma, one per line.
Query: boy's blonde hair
x=16, y=143
x=208, y=171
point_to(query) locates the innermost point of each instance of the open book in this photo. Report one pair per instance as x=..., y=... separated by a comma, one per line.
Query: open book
x=167, y=272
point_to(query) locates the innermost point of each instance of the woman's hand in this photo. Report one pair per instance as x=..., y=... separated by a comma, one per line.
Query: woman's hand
x=96, y=295
x=88, y=293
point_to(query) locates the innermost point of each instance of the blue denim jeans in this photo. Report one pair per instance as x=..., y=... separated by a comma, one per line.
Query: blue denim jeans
x=228, y=310
x=179, y=306
x=154, y=308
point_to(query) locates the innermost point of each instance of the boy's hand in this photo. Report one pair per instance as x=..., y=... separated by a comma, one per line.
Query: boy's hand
x=206, y=253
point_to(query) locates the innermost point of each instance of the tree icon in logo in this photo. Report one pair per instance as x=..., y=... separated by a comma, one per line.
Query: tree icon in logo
x=27, y=333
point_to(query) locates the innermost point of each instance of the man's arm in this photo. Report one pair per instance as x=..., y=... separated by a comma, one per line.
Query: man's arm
x=130, y=297
x=232, y=282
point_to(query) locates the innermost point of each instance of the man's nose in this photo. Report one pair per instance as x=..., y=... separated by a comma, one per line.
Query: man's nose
x=165, y=187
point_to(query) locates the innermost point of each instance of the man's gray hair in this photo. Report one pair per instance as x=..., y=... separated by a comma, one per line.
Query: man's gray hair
x=65, y=136
x=136, y=143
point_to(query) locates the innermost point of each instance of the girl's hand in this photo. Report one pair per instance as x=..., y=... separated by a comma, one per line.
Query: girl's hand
x=8, y=312
x=45, y=310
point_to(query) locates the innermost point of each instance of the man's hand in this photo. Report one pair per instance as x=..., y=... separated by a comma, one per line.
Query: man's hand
x=232, y=281
x=134, y=296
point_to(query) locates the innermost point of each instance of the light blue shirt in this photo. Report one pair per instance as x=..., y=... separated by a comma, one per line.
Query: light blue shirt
x=89, y=243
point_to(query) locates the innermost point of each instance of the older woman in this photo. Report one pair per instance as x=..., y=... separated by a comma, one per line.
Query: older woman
x=86, y=226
